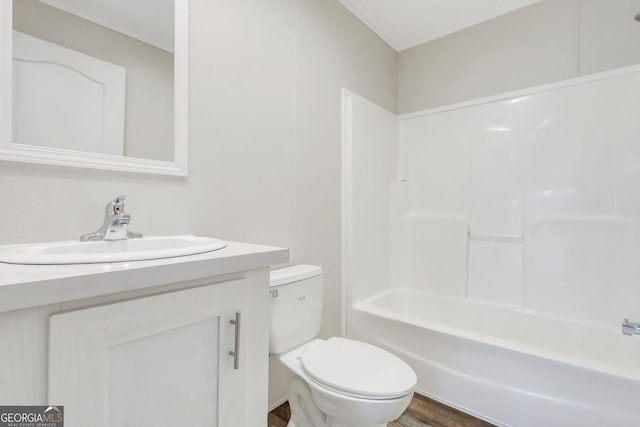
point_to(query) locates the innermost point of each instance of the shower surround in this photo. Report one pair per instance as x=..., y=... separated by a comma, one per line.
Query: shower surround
x=494, y=245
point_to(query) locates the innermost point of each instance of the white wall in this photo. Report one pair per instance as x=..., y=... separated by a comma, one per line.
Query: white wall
x=242, y=130
x=335, y=50
x=608, y=35
x=549, y=41
x=242, y=120
x=264, y=126
x=265, y=140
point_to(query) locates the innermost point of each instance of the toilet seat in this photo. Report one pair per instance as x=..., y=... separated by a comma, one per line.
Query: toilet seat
x=358, y=369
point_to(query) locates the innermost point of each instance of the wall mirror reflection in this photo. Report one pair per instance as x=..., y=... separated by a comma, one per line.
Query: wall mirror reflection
x=99, y=83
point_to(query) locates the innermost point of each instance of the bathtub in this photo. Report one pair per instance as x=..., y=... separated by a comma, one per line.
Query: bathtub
x=507, y=366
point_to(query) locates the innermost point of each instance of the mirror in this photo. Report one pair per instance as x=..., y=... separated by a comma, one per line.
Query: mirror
x=95, y=83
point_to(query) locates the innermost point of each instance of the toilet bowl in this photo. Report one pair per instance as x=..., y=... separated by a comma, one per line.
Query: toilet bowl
x=337, y=382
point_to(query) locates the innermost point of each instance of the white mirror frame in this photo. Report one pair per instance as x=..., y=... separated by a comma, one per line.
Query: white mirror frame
x=10, y=151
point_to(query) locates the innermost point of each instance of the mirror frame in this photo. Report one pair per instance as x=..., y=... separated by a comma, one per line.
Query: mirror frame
x=10, y=151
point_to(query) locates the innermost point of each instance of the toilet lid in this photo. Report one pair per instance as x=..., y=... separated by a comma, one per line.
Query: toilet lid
x=359, y=369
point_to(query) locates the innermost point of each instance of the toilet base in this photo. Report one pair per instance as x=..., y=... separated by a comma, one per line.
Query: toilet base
x=305, y=413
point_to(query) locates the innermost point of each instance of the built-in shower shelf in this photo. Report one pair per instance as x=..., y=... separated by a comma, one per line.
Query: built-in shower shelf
x=508, y=238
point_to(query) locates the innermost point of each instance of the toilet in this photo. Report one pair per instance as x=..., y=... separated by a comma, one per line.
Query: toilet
x=337, y=382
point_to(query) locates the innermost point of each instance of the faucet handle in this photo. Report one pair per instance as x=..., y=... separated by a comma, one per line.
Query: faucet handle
x=116, y=206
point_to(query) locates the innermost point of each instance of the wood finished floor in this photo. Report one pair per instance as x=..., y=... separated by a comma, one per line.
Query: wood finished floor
x=422, y=412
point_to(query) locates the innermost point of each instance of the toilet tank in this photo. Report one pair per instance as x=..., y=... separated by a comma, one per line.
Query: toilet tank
x=295, y=297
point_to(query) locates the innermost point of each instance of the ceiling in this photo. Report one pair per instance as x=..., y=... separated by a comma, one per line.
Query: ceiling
x=407, y=23
x=401, y=23
x=150, y=21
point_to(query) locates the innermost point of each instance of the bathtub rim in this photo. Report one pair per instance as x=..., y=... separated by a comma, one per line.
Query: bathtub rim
x=365, y=306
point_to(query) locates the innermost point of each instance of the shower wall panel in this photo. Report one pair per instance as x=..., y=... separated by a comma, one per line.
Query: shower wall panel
x=548, y=181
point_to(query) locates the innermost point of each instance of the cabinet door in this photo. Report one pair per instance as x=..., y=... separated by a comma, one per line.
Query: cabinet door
x=156, y=361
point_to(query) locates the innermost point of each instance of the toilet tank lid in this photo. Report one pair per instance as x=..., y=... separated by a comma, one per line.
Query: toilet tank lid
x=294, y=274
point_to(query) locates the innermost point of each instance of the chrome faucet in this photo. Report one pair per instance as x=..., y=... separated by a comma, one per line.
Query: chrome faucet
x=630, y=328
x=116, y=224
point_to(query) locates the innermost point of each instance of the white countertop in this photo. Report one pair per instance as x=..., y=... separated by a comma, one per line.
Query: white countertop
x=24, y=286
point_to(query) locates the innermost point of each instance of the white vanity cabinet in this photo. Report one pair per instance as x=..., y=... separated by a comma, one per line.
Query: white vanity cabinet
x=158, y=360
x=152, y=356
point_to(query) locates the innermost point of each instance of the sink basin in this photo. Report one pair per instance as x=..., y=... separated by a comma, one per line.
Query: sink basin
x=76, y=252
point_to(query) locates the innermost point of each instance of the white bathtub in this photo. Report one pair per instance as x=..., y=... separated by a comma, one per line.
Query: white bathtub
x=509, y=367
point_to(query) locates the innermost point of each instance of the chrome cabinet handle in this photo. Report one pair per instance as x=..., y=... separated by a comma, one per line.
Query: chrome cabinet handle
x=236, y=345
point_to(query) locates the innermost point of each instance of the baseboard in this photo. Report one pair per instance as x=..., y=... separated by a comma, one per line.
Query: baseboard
x=278, y=403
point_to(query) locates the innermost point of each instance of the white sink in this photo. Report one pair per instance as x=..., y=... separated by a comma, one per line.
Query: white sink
x=76, y=252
